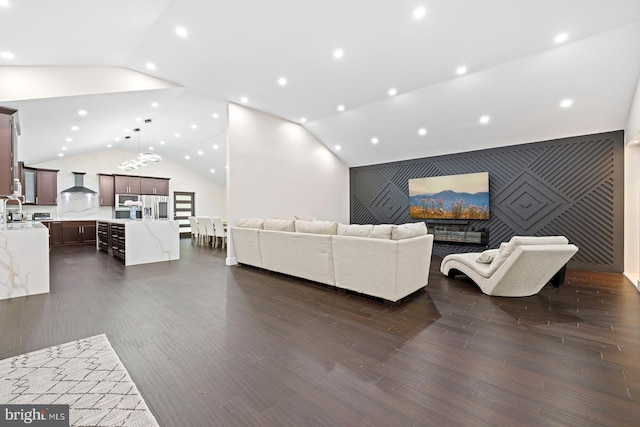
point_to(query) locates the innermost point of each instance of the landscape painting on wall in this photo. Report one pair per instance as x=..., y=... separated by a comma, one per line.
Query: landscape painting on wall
x=450, y=197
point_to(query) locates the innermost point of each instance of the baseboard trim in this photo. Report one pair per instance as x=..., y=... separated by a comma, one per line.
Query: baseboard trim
x=231, y=261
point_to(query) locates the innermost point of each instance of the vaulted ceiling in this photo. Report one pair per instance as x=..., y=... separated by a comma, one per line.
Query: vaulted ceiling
x=122, y=61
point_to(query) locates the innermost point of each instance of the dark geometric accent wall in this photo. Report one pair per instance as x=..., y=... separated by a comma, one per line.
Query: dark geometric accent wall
x=571, y=187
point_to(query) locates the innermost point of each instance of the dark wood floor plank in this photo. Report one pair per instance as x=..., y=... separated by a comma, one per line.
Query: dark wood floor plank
x=209, y=345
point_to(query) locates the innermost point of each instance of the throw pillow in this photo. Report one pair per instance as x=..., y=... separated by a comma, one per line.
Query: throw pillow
x=251, y=223
x=279, y=224
x=409, y=230
x=382, y=231
x=316, y=227
x=487, y=256
x=355, y=230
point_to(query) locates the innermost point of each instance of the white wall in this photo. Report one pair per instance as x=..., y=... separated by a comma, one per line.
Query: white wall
x=632, y=192
x=210, y=196
x=277, y=168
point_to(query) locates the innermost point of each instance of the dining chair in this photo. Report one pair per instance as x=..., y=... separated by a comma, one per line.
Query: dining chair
x=193, y=223
x=219, y=231
x=205, y=225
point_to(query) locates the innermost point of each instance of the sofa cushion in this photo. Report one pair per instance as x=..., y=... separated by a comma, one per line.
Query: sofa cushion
x=251, y=223
x=409, y=230
x=487, y=256
x=316, y=227
x=510, y=247
x=279, y=224
x=355, y=230
x=382, y=231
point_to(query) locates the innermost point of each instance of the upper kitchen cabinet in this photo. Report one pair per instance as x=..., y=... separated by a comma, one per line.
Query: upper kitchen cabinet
x=125, y=184
x=39, y=186
x=154, y=186
x=106, y=189
x=8, y=150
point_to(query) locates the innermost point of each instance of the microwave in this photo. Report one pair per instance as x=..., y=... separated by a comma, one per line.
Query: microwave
x=121, y=199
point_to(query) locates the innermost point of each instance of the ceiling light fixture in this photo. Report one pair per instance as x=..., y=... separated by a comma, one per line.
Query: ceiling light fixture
x=144, y=157
x=419, y=12
x=338, y=148
x=303, y=120
x=282, y=81
x=215, y=115
x=341, y=108
x=82, y=112
x=150, y=66
x=68, y=139
x=64, y=148
x=461, y=70
x=244, y=99
x=561, y=38
x=187, y=157
x=194, y=126
x=213, y=171
x=393, y=92
x=484, y=120
x=109, y=145
x=338, y=53
x=422, y=131
x=74, y=128
x=4, y=3
x=182, y=32
x=374, y=140
x=154, y=105
x=215, y=146
x=7, y=55
x=177, y=135
x=200, y=152
x=566, y=103
x=60, y=155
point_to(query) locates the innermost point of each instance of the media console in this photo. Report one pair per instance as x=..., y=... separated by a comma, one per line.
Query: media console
x=458, y=232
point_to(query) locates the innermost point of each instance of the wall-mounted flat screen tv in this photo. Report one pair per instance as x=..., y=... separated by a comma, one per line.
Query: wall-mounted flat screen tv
x=450, y=197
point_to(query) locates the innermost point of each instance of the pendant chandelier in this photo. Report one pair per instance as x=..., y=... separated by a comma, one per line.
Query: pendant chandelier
x=143, y=158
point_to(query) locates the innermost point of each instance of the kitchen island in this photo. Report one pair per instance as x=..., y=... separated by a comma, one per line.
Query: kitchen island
x=138, y=241
x=24, y=259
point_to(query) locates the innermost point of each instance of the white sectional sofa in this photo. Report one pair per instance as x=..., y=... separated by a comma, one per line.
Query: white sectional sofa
x=385, y=261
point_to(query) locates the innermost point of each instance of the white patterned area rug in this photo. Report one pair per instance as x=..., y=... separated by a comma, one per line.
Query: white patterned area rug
x=85, y=374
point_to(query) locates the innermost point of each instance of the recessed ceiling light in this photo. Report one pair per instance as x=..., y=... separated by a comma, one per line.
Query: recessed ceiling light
x=338, y=53
x=74, y=128
x=151, y=148
x=561, y=38
x=154, y=105
x=484, y=120
x=461, y=70
x=340, y=108
x=215, y=147
x=215, y=115
x=60, y=155
x=162, y=142
x=116, y=139
x=177, y=135
x=7, y=55
x=422, y=131
x=64, y=148
x=127, y=131
x=200, y=152
x=419, y=12
x=150, y=66
x=213, y=171
x=282, y=81
x=109, y=145
x=393, y=92
x=82, y=112
x=194, y=126
x=187, y=157
x=566, y=103
x=68, y=139
x=138, y=119
x=338, y=148
x=303, y=120
x=374, y=140
x=244, y=99
x=182, y=32
x=4, y=3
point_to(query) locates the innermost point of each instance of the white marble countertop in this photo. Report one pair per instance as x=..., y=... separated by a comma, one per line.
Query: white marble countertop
x=132, y=221
x=22, y=226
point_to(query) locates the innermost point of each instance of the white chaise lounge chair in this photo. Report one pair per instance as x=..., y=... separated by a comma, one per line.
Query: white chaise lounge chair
x=519, y=268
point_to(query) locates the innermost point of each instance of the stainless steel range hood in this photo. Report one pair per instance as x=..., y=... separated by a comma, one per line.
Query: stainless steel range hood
x=79, y=187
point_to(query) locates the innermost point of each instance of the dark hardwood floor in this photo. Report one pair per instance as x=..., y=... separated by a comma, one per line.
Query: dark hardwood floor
x=210, y=345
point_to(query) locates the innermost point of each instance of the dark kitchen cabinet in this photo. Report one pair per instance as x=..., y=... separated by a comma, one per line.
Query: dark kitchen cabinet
x=125, y=184
x=78, y=232
x=55, y=232
x=39, y=186
x=106, y=187
x=154, y=186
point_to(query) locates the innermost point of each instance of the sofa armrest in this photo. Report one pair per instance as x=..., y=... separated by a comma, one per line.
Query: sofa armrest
x=246, y=242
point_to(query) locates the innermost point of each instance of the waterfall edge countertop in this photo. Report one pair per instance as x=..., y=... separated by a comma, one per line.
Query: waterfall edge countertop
x=145, y=241
x=24, y=259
